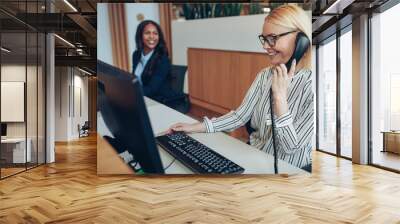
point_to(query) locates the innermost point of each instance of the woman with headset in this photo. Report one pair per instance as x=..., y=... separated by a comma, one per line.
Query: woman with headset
x=292, y=95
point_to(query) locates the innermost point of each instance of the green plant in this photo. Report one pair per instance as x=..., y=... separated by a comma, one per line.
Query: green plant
x=208, y=10
x=218, y=10
x=188, y=11
x=236, y=9
x=255, y=8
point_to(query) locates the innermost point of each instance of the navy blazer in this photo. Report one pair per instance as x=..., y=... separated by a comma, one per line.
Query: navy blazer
x=155, y=85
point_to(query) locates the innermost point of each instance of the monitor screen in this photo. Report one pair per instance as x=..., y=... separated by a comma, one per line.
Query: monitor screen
x=121, y=104
x=3, y=129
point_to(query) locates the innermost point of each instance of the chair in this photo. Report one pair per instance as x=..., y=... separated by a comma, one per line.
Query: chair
x=179, y=100
x=84, y=130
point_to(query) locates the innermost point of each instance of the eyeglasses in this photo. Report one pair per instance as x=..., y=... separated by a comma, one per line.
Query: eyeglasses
x=271, y=39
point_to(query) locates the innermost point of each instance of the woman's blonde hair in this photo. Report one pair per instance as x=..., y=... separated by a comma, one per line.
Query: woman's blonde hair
x=294, y=18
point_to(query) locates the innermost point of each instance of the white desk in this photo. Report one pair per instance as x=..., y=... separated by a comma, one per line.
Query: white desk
x=251, y=159
x=18, y=150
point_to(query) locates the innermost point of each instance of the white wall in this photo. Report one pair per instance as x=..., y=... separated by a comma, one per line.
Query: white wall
x=236, y=33
x=61, y=103
x=13, y=72
x=68, y=81
x=104, y=50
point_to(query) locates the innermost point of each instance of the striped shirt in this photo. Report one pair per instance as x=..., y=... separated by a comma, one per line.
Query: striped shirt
x=293, y=130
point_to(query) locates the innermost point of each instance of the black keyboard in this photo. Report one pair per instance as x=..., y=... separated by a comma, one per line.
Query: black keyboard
x=196, y=156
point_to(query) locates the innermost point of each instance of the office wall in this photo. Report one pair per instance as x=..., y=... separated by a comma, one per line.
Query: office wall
x=237, y=33
x=16, y=73
x=81, y=104
x=104, y=51
x=61, y=103
x=33, y=126
x=71, y=102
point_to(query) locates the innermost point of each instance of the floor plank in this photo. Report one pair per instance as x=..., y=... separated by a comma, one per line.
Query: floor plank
x=69, y=191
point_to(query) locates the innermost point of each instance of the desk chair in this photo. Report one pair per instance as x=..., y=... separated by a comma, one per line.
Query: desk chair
x=179, y=100
x=84, y=130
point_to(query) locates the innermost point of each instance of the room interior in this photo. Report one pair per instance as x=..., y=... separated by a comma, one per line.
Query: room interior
x=49, y=51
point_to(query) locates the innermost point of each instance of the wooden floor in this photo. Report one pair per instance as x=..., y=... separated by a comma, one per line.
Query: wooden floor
x=69, y=191
x=386, y=159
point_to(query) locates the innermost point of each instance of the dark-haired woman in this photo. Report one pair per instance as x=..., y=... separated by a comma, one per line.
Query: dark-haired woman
x=150, y=61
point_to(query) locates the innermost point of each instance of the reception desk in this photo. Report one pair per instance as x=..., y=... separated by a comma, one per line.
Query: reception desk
x=391, y=141
x=162, y=117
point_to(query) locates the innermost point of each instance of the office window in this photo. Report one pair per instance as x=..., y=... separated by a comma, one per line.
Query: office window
x=385, y=89
x=346, y=94
x=22, y=92
x=327, y=97
x=13, y=87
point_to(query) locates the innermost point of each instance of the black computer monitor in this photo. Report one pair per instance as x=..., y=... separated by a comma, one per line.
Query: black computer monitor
x=121, y=104
x=3, y=129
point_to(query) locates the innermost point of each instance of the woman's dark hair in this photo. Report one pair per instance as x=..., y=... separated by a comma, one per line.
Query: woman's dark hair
x=160, y=50
x=161, y=46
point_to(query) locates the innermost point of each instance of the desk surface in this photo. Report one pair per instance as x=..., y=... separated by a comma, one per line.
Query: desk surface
x=253, y=160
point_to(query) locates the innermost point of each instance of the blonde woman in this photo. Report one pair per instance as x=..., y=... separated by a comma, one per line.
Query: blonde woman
x=292, y=94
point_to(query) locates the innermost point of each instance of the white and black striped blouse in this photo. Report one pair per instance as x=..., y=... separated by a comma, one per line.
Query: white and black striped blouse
x=294, y=129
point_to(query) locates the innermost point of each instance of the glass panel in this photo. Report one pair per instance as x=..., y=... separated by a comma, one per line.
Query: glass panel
x=327, y=97
x=385, y=84
x=31, y=101
x=346, y=94
x=13, y=85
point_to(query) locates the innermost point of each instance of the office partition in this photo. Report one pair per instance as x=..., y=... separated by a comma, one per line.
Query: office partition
x=22, y=64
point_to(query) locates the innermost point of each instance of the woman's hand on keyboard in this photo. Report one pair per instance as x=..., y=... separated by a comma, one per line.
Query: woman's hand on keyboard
x=188, y=128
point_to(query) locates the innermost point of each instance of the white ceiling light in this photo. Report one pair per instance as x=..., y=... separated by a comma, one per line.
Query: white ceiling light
x=70, y=5
x=5, y=50
x=65, y=41
x=338, y=6
x=86, y=72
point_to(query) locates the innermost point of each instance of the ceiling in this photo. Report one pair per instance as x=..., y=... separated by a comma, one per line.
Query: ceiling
x=76, y=24
x=79, y=27
x=332, y=15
